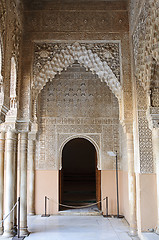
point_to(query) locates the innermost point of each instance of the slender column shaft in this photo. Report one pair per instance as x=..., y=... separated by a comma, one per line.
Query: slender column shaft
x=131, y=185
x=9, y=200
x=2, y=141
x=31, y=160
x=155, y=141
x=23, y=183
x=15, y=183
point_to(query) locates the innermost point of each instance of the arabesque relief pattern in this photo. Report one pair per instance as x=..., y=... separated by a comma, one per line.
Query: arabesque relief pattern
x=145, y=134
x=145, y=38
x=11, y=27
x=76, y=103
x=146, y=42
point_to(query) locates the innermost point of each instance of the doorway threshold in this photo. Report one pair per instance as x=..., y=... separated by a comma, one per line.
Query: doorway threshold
x=88, y=211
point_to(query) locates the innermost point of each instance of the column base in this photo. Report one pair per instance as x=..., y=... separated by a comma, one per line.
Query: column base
x=157, y=230
x=31, y=214
x=1, y=230
x=8, y=234
x=132, y=232
x=24, y=232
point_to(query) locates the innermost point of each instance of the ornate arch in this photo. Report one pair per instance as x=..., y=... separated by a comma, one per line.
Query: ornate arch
x=65, y=58
x=90, y=139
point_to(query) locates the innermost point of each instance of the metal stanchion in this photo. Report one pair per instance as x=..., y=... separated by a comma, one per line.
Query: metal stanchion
x=117, y=188
x=106, y=208
x=18, y=217
x=114, y=154
x=46, y=215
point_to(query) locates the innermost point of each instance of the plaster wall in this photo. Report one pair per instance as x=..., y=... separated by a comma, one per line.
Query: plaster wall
x=148, y=202
x=108, y=189
x=47, y=184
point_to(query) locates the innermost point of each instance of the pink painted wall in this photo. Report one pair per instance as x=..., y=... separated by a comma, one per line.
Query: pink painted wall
x=148, y=201
x=46, y=184
x=108, y=187
x=124, y=197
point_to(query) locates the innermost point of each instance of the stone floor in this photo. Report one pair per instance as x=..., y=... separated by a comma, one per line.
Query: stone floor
x=80, y=227
x=150, y=236
x=77, y=227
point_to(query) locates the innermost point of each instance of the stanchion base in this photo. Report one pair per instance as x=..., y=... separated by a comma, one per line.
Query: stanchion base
x=113, y=216
x=118, y=216
x=107, y=216
x=16, y=238
x=45, y=215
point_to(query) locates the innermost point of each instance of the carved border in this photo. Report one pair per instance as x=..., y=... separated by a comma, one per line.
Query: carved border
x=90, y=137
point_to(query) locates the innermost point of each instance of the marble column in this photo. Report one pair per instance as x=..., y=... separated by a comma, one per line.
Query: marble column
x=2, y=141
x=15, y=184
x=23, y=183
x=155, y=141
x=9, y=193
x=31, y=160
x=131, y=185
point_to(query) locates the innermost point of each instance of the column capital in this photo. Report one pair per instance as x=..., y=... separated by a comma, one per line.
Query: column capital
x=11, y=134
x=2, y=135
x=23, y=125
x=6, y=127
x=23, y=135
x=127, y=126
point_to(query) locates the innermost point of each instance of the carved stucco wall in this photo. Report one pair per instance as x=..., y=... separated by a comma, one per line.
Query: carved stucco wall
x=100, y=58
x=144, y=31
x=11, y=27
x=76, y=103
x=145, y=48
x=46, y=21
x=146, y=163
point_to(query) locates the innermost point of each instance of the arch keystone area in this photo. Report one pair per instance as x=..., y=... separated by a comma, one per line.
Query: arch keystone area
x=86, y=58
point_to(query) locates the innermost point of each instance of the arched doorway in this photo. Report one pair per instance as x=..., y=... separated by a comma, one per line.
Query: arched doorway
x=80, y=183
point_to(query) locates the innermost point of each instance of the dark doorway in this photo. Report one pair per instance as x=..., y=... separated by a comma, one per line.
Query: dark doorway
x=79, y=177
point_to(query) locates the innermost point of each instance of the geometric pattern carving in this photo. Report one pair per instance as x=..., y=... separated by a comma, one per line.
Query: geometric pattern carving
x=97, y=58
x=145, y=134
x=74, y=104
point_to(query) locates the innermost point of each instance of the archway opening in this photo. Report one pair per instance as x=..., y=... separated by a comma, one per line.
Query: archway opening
x=79, y=177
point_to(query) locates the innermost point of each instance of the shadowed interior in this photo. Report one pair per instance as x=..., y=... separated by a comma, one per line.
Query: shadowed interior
x=78, y=175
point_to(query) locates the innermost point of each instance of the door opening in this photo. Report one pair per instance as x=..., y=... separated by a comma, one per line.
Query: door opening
x=80, y=183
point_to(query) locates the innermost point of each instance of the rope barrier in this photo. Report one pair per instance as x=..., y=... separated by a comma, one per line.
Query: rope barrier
x=90, y=205
x=9, y=212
